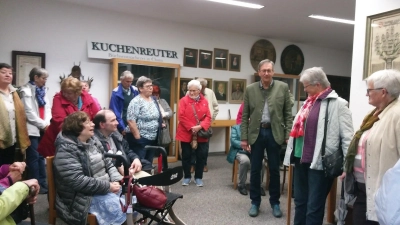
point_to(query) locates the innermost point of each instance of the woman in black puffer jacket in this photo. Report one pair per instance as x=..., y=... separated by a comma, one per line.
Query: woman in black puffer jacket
x=86, y=182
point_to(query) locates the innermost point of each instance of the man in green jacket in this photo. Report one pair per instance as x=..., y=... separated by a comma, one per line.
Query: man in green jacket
x=266, y=123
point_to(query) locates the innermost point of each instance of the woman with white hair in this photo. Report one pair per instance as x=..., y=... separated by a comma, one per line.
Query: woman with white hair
x=193, y=106
x=375, y=147
x=311, y=185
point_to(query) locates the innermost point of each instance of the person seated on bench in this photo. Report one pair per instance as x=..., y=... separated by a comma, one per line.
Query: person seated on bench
x=13, y=192
x=86, y=182
x=106, y=130
x=236, y=152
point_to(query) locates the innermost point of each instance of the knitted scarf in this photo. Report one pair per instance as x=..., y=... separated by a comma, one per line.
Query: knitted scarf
x=40, y=92
x=6, y=139
x=367, y=123
x=298, y=126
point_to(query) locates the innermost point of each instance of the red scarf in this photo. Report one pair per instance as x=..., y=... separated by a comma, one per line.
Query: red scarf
x=298, y=126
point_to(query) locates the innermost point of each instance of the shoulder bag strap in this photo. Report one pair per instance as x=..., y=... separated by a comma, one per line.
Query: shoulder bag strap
x=195, y=114
x=325, y=128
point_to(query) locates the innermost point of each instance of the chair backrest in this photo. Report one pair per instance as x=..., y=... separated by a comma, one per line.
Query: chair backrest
x=52, y=189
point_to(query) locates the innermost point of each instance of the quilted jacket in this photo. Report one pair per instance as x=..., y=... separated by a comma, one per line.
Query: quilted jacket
x=340, y=129
x=77, y=179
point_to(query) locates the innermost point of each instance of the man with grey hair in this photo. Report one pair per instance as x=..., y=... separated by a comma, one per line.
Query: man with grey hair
x=266, y=122
x=213, y=106
x=121, y=96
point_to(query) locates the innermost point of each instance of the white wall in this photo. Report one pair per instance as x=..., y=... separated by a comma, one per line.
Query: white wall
x=61, y=31
x=358, y=101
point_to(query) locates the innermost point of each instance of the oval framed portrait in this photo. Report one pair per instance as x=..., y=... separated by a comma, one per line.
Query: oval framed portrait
x=262, y=49
x=292, y=60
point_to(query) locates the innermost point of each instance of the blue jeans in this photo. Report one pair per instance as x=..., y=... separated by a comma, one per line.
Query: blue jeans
x=201, y=155
x=137, y=146
x=35, y=162
x=311, y=188
x=265, y=140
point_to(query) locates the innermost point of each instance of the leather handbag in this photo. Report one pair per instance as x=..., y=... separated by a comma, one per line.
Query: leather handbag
x=150, y=196
x=333, y=163
x=165, y=135
x=202, y=133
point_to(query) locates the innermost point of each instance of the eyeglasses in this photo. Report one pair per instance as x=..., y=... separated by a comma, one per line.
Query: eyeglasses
x=372, y=89
x=148, y=86
x=308, y=86
x=266, y=71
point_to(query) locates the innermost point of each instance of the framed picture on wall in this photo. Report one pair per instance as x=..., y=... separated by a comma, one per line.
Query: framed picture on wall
x=190, y=57
x=205, y=59
x=221, y=90
x=23, y=63
x=234, y=62
x=382, y=37
x=183, y=86
x=220, y=59
x=237, y=87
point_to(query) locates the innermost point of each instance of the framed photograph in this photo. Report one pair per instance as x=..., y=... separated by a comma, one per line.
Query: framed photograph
x=237, y=87
x=220, y=59
x=221, y=90
x=382, y=37
x=183, y=86
x=234, y=62
x=23, y=63
x=190, y=57
x=209, y=82
x=205, y=59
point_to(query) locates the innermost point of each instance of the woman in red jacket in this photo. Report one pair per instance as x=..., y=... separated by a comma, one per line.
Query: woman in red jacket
x=189, y=105
x=70, y=99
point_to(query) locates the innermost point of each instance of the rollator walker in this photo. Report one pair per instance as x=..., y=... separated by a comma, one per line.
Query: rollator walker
x=165, y=178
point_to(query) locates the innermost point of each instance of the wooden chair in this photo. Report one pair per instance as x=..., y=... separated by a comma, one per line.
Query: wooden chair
x=91, y=219
x=235, y=171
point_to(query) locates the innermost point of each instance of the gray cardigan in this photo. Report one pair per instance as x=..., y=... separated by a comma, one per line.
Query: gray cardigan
x=340, y=129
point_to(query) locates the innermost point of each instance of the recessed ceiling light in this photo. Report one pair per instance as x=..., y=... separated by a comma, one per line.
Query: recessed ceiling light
x=332, y=19
x=238, y=3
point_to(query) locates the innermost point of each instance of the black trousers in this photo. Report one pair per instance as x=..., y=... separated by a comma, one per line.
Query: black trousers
x=360, y=207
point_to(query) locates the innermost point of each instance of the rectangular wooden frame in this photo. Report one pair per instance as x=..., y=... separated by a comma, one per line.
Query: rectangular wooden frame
x=23, y=63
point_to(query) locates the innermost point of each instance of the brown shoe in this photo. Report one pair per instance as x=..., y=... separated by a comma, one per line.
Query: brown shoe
x=205, y=169
x=192, y=169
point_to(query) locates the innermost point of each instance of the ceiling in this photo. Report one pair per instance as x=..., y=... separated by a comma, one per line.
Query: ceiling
x=285, y=20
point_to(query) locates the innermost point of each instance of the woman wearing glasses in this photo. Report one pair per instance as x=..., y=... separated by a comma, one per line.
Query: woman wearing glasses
x=375, y=147
x=311, y=185
x=144, y=120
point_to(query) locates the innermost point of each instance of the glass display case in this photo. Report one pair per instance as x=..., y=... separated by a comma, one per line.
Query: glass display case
x=165, y=75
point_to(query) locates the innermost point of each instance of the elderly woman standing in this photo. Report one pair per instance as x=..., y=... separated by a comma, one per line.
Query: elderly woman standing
x=375, y=147
x=12, y=118
x=86, y=182
x=38, y=113
x=190, y=106
x=311, y=186
x=70, y=99
x=144, y=120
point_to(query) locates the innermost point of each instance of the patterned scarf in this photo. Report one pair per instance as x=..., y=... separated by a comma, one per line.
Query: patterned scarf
x=40, y=92
x=367, y=123
x=298, y=126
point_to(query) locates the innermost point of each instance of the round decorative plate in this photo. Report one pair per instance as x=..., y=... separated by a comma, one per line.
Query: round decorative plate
x=262, y=49
x=292, y=60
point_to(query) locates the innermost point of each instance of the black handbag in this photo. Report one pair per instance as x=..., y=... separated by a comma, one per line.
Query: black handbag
x=333, y=163
x=202, y=133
